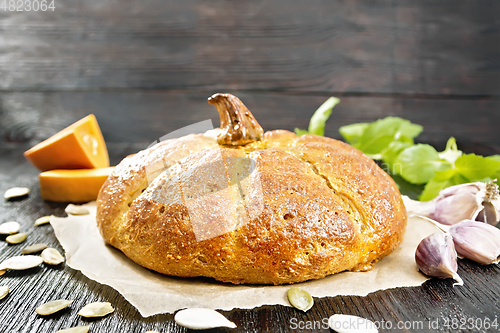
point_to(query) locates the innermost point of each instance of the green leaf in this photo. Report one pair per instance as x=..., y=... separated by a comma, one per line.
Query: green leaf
x=300, y=132
x=390, y=154
x=497, y=173
x=467, y=168
x=494, y=157
x=432, y=189
x=352, y=133
x=411, y=190
x=440, y=181
x=451, y=152
x=378, y=135
x=475, y=167
x=451, y=144
x=319, y=118
x=409, y=130
x=419, y=163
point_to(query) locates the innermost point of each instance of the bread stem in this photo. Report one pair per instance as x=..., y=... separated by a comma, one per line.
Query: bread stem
x=237, y=123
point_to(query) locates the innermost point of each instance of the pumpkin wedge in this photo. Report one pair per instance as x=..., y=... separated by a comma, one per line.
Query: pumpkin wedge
x=79, y=185
x=78, y=146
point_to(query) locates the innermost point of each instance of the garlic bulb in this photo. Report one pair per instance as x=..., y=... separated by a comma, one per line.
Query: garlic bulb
x=477, y=241
x=436, y=256
x=472, y=201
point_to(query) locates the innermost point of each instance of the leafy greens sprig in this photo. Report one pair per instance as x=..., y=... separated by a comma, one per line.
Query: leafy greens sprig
x=390, y=141
x=319, y=118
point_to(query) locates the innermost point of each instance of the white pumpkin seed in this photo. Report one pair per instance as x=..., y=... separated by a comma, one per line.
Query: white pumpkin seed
x=16, y=192
x=52, y=307
x=76, y=329
x=76, y=210
x=201, y=319
x=96, y=309
x=20, y=263
x=34, y=248
x=42, y=220
x=351, y=324
x=4, y=291
x=16, y=238
x=9, y=228
x=300, y=299
x=51, y=256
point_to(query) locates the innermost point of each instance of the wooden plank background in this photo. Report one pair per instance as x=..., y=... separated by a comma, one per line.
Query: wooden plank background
x=435, y=63
x=386, y=47
x=140, y=117
x=146, y=68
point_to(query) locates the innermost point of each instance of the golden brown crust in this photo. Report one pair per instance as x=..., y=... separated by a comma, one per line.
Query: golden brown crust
x=312, y=207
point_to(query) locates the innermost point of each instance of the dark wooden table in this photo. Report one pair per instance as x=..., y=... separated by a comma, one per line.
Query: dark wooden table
x=145, y=68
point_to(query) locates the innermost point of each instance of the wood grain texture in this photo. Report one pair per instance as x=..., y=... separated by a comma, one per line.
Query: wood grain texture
x=146, y=68
x=140, y=117
x=416, y=307
x=409, y=47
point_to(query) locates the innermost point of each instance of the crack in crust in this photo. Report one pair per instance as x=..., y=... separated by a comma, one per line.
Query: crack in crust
x=349, y=204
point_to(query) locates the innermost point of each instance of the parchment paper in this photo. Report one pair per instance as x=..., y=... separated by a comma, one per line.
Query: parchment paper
x=152, y=293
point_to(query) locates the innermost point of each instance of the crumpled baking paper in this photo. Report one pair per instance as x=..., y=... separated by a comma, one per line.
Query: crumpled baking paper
x=153, y=293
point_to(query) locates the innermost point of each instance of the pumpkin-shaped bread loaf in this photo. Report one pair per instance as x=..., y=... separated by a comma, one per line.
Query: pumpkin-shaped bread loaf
x=242, y=206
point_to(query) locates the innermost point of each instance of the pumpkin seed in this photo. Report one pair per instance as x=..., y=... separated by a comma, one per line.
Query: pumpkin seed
x=16, y=192
x=300, y=298
x=16, y=238
x=51, y=256
x=350, y=324
x=42, y=220
x=76, y=329
x=96, y=309
x=9, y=228
x=20, y=263
x=34, y=248
x=201, y=319
x=4, y=290
x=76, y=210
x=52, y=307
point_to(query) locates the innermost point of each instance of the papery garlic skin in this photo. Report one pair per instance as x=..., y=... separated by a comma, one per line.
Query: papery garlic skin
x=477, y=241
x=491, y=205
x=436, y=256
x=458, y=203
x=489, y=214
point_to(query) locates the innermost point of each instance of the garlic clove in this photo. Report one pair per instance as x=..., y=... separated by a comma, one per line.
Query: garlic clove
x=477, y=241
x=436, y=256
x=473, y=188
x=455, y=208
